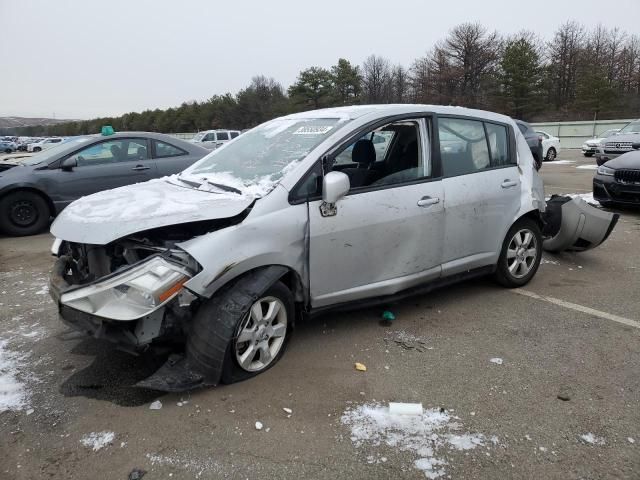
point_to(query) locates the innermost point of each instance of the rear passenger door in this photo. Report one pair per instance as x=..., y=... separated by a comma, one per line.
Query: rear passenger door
x=482, y=190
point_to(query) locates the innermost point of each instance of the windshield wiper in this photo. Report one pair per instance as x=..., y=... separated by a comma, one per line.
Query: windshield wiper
x=198, y=181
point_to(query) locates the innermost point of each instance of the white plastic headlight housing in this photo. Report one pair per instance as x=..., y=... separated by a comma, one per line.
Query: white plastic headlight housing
x=132, y=294
x=602, y=170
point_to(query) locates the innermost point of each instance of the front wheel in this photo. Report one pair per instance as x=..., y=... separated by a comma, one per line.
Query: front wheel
x=588, y=154
x=521, y=254
x=23, y=213
x=551, y=154
x=37, y=149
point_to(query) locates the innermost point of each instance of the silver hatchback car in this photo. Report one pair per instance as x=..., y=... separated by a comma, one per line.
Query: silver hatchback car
x=297, y=216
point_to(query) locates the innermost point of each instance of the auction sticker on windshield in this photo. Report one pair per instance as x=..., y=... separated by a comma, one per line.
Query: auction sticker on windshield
x=312, y=130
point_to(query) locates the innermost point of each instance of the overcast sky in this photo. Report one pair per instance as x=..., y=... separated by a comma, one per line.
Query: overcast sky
x=88, y=58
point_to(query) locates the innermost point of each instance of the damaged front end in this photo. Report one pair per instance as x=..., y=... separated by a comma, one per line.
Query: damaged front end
x=129, y=292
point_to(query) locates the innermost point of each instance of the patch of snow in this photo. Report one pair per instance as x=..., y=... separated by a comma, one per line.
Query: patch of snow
x=591, y=439
x=550, y=262
x=195, y=466
x=13, y=394
x=98, y=440
x=424, y=435
x=559, y=162
x=43, y=290
x=588, y=167
x=259, y=425
x=630, y=440
x=157, y=405
x=288, y=410
x=496, y=360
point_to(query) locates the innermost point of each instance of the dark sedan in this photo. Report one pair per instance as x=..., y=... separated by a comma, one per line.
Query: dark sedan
x=618, y=180
x=38, y=188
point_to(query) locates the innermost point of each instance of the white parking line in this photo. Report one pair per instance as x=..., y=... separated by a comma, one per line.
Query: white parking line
x=578, y=308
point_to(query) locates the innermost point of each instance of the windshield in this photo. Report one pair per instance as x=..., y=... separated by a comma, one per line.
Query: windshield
x=633, y=127
x=608, y=133
x=49, y=153
x=256, y=160
x=198, y=136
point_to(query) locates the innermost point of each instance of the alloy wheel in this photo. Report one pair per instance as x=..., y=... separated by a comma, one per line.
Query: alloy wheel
x=522, y=253
x=261, y=334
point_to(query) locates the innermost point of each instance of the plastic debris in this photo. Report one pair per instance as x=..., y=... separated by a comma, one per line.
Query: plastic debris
x=288, y=410
x=496, y=360
x=136, y=474
x=387, y=318
x=361, y=367
x=259, y=425
x=397, y=408
x=157, y=405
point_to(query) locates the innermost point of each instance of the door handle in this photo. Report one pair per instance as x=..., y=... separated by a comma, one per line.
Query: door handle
x=508, y=183
x=427, y=201
x=139, y=168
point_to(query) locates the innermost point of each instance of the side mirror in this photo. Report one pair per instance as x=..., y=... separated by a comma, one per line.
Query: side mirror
x=635, y=145
x=335, y=185
x=69, y=164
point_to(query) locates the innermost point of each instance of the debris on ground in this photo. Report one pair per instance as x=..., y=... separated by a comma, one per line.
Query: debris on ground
x=136, y=474
x=259, y=425
x=591, y=439
x=98, y=440
x=361, y=367
x=157, y=405
x=496, y=360
x=630, y=440
x=407, y=341
x=428, y=436
x=288, y=410
x=398, y=408
x=387, y=318
x=565, y=393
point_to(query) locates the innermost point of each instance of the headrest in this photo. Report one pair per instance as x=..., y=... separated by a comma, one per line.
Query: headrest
x=364, y=152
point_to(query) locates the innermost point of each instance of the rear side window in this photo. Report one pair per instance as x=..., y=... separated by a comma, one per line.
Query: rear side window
x=234, y=134
x=498, y=144
x=463, y=146
x=223, y=136
x=164, y=150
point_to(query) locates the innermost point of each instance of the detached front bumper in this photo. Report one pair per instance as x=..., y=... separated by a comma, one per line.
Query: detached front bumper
x=113, y=308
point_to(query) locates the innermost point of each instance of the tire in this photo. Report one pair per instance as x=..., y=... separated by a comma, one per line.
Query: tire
x=23, y=213
x=527, y=265
x=588, y=154
x=7, y=150
x=233, y=371
x=551, y=154
x=37, y=149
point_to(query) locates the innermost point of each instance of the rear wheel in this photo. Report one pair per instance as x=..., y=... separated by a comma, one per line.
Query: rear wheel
x=551, y=154
x=23, y=213
x=521, y=254
x=588, y=154
x=37, y=149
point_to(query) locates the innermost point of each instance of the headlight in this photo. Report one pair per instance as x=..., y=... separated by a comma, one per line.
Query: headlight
x=602, y=170
x=131, y=294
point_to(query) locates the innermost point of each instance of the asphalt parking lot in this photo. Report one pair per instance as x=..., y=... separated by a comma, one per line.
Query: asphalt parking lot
x=490, y=365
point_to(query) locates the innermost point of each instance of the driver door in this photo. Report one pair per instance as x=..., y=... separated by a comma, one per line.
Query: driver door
x=384, y=237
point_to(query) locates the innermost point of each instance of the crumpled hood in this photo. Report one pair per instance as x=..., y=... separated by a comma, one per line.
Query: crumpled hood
x=112, y=214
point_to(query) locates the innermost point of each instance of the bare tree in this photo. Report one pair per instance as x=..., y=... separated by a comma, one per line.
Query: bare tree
x=419, y=79
x=376, y=79
x=564, y=53
x=400, y=85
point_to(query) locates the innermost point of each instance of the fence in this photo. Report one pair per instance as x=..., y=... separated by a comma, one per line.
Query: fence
x=574, y=134
x=571, y=134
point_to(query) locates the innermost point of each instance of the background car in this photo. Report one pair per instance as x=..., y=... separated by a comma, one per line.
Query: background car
x=590, y=147
x=213, y=139
x=7, y=146
x=533, y=140
x=619, y=144
x=618, y=180
x=41, y=186
x=44, y=144
x=550, y=146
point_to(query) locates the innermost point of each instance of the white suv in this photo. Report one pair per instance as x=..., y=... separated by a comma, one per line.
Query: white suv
x=44, y=144
x=213, y=139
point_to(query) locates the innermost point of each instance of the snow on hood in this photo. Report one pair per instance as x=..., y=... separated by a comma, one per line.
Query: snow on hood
x=106, y=216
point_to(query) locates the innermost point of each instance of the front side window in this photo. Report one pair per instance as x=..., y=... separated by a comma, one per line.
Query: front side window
x=167, y=150
x=209, y=137
x=463, y=146
x=112, y=151
x=259, y=158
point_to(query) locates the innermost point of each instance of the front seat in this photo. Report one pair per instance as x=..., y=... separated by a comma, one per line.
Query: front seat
x=364, y=154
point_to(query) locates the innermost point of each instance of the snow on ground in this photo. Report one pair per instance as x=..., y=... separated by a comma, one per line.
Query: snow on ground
x=591, y=439
x=496, y=360
x=427, y=436
x=588, y=167
x=559, y=162
x=195, y=466
x=587, y=197
x=13, y=393
x=98, y=440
